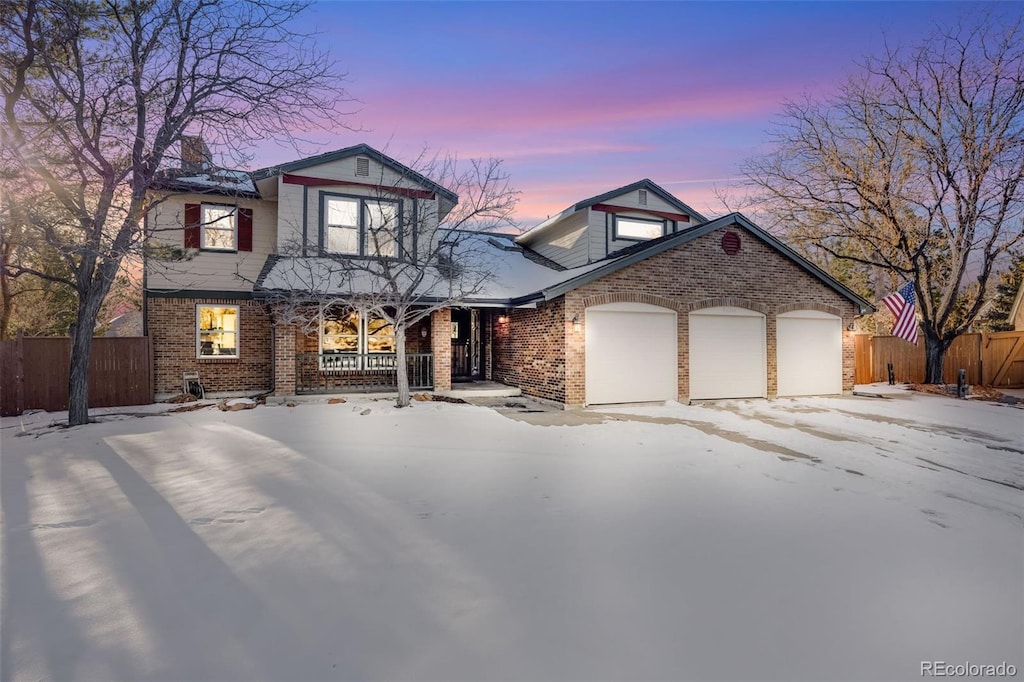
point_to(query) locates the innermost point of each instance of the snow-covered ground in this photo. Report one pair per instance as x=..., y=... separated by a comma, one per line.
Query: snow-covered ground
x=845, y=538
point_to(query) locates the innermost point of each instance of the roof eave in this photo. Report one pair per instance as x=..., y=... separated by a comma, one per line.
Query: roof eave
x=699, y=231
x=355, y=150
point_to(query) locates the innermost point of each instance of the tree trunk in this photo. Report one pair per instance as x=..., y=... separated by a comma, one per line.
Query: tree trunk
x=78, y=381
x=81, y=351
x=935, y=348
x=400, y=365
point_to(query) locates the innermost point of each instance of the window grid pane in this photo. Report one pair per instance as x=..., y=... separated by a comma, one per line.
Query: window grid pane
x=218, y=331
x=218, y=229
x=381, y=227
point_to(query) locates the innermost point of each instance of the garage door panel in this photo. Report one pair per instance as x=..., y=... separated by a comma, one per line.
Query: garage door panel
x=727, y=354
x=631, y=354
x=809, y=353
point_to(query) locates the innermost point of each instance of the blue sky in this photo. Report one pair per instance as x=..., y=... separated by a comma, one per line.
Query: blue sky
x=582, y=97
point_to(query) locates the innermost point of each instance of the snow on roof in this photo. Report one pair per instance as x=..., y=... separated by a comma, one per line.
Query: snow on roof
x=512, y=274
x=223, y=180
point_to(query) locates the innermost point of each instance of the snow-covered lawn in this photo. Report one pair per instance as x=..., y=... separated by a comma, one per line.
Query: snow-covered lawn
x=843, y=538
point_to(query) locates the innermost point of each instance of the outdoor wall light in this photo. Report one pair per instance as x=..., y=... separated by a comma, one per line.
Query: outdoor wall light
x=423, y=332
x=576, y=326
x=502, y=319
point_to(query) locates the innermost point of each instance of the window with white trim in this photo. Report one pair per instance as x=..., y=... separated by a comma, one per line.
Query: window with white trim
x=638, y=229
x=349, y=340
x=219, y=227
x=217, y=331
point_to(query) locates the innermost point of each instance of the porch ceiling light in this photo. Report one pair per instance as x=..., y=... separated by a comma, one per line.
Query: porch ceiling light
x=502, y=319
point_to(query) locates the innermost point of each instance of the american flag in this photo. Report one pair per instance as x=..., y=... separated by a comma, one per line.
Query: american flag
x=901, y=304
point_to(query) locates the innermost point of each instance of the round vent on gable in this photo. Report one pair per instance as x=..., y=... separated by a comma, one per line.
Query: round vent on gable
x=731, y=243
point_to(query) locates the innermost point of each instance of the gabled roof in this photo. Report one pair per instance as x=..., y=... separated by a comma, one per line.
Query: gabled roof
x=646, y=184
x=645, y=250
x=357, y=150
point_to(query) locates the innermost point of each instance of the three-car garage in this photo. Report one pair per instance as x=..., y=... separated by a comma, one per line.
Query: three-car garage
x=632, y=353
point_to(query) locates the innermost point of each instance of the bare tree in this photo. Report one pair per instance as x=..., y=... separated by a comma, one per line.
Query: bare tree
x=441, y=259
x=98, y=94
x=912, y=171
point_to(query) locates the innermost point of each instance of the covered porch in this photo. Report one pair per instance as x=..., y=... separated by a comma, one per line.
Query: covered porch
x=355, y=353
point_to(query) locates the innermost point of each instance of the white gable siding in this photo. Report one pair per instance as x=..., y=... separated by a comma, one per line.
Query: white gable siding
x=602, y=242
x=205, y=269
x=567, y=243
x=289, y=217
x=292, y=219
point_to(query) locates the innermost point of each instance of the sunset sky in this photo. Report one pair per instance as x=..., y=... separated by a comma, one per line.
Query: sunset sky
x=582, y=97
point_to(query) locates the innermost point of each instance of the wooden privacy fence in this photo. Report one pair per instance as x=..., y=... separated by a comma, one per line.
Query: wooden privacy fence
x=991, y=359
x=34, y=373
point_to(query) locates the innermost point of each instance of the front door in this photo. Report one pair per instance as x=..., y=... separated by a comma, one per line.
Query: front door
x=465, y=344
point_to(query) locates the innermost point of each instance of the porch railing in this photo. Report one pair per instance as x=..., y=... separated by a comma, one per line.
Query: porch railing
x=334, y=372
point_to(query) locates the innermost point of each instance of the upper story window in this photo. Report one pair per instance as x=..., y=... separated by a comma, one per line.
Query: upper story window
x=381, y=228
x=219, y=228
x=637, y=229
x=341, y=227
x=361, y=227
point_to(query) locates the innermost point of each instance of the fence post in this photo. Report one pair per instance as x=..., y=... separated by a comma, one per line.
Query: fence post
x=892, y=375
x=19, y=374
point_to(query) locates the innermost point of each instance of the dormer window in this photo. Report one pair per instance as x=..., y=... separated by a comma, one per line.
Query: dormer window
x=362, y=167
x=637, y=229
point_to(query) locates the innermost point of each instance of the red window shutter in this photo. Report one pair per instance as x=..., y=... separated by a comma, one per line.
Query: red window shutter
x=193, y=218
x=245, y=229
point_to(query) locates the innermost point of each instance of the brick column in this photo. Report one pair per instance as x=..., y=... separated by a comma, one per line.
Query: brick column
x=575, y=349
x=441, y=347
x=284, y=359
x=849, y=359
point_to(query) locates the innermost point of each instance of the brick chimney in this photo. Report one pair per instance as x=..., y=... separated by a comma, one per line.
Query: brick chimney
x=195, y=155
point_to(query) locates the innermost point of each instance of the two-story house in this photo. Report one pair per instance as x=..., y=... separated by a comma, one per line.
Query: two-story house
x=627, y=296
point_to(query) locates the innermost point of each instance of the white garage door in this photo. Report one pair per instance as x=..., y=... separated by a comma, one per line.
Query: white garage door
x=810, y=353
x=630, y=353
x=727, y=354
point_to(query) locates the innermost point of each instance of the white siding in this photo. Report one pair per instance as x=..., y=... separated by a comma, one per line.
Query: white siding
x=206, y=269
x=601, y=242
x=566, y=243
x=289, y=217
x=632, y=200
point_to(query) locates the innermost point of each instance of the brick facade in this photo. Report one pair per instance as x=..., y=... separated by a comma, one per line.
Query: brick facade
x=529, y=350
x=172, y=328
x=543, y=352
